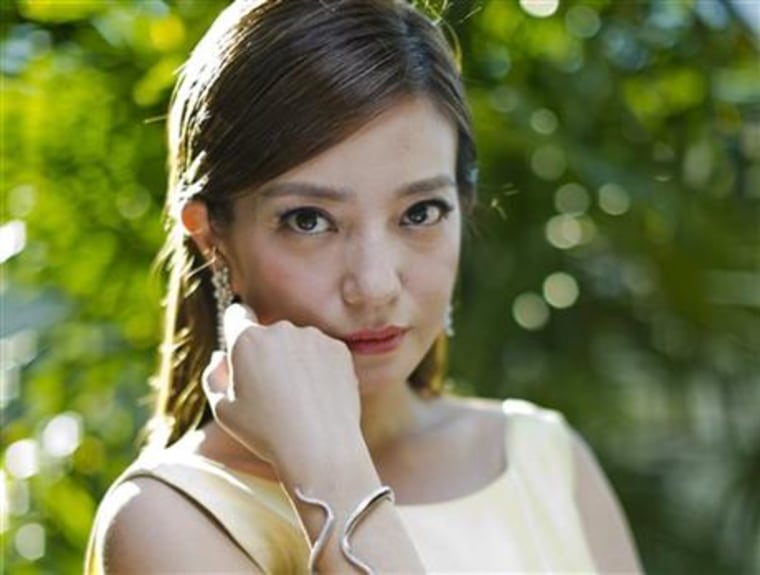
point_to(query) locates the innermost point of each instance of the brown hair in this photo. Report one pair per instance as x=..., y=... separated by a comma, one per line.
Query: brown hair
x=271, y=85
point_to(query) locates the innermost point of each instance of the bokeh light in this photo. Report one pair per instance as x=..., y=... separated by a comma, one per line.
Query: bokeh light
x=614, y=199
x=560, y=290
x=530, y=311
x=572, y=198
x=567, y=231
x=62, y=434
x=582, y=21
x=548, y=162
x=12, y=239
x=544, y=121
x=21, y=201
x=22, y=458
x=18, y=497
x=133, y=204
x=540, y=8
x=30, y=541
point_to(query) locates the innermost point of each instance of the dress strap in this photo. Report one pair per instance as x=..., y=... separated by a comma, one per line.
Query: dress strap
x=539, y=441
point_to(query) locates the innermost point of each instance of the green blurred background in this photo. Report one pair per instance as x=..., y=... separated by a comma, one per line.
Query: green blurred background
x=611, y=272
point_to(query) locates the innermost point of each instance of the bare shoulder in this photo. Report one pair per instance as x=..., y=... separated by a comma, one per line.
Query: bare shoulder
x=148, y=527
x=603, y=519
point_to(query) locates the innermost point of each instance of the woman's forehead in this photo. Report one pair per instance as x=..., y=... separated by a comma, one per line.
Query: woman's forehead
x=410, y=142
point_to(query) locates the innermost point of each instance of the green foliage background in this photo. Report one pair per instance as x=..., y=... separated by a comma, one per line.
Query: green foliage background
x=620, y=146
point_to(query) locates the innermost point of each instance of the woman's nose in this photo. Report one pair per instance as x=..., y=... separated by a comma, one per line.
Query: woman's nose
x=373, y=273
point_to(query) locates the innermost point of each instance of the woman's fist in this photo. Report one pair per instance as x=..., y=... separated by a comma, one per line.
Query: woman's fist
x=288, y=393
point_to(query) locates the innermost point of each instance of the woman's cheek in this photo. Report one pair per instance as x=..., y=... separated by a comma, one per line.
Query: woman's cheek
x=433, y=282
x=282, y=287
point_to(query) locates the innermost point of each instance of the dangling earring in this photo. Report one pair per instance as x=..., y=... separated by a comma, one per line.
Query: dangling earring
x=448, y=321
x=220, y=277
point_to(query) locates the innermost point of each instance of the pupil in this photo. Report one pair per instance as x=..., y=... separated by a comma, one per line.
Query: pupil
x=418, y=216
x=306, y=221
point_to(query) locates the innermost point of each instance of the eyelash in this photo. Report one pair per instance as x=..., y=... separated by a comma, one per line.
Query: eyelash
x=287, y=219
x=444, y=209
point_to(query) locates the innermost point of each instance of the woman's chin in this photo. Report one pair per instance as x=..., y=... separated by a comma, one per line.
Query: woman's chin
x=377, y=380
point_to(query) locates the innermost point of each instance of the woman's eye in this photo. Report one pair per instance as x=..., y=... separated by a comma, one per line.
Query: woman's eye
x=306, y=221
x=427, y=213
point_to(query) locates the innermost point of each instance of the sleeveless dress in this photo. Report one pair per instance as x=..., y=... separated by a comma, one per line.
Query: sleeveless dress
x=525, y=521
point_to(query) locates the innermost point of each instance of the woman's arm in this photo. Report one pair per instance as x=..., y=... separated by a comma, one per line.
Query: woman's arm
x=603, y=520
x=290, y=395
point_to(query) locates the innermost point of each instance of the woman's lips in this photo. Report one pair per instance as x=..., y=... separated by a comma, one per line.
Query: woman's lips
x=375, y=341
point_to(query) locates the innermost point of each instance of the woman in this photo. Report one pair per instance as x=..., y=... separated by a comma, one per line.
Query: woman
x=321, y=163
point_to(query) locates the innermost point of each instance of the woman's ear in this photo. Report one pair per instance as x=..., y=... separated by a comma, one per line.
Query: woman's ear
x=196, y=223
x=194, y=217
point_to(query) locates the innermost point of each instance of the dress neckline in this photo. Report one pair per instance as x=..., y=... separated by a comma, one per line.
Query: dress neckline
x=272, y=484
x=510, y=407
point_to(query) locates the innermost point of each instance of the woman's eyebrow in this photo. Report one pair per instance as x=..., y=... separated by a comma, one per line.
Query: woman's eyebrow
x=304, y=189
x=427, y=185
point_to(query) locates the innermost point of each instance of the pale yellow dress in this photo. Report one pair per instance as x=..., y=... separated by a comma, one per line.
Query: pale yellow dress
x=525, y=521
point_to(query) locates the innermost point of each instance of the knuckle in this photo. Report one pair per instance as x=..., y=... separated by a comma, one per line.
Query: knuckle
x=236, y=349
x=245, y=337
x=282, y=325
x=312, y=331
x=248, y=333
x=220, y=409
x=227, y=414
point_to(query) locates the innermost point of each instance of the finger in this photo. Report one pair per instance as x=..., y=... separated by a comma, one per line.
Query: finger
x=215, y=379
x=237, y=318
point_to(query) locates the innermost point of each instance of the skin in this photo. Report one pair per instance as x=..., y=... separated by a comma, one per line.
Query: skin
x=291, y=400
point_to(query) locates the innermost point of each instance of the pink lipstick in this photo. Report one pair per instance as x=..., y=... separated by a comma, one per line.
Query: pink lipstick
x=375, y=341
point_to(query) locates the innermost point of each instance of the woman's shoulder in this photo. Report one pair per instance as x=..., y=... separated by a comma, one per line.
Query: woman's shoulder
x=169, y=500
x=146, y=526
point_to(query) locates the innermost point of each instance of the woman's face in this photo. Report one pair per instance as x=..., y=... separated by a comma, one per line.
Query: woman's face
x=361, y=242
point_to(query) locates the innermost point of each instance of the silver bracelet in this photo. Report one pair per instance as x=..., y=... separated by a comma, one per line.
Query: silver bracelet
x=382, y=492
x=321, y=541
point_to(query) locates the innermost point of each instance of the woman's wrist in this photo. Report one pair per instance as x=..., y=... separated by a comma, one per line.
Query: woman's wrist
x=340, y=481
x=353, y=526
x=321, y=465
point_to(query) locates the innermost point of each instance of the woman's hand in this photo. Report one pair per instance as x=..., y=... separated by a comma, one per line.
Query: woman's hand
x=288, y=393
x=291, y=395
